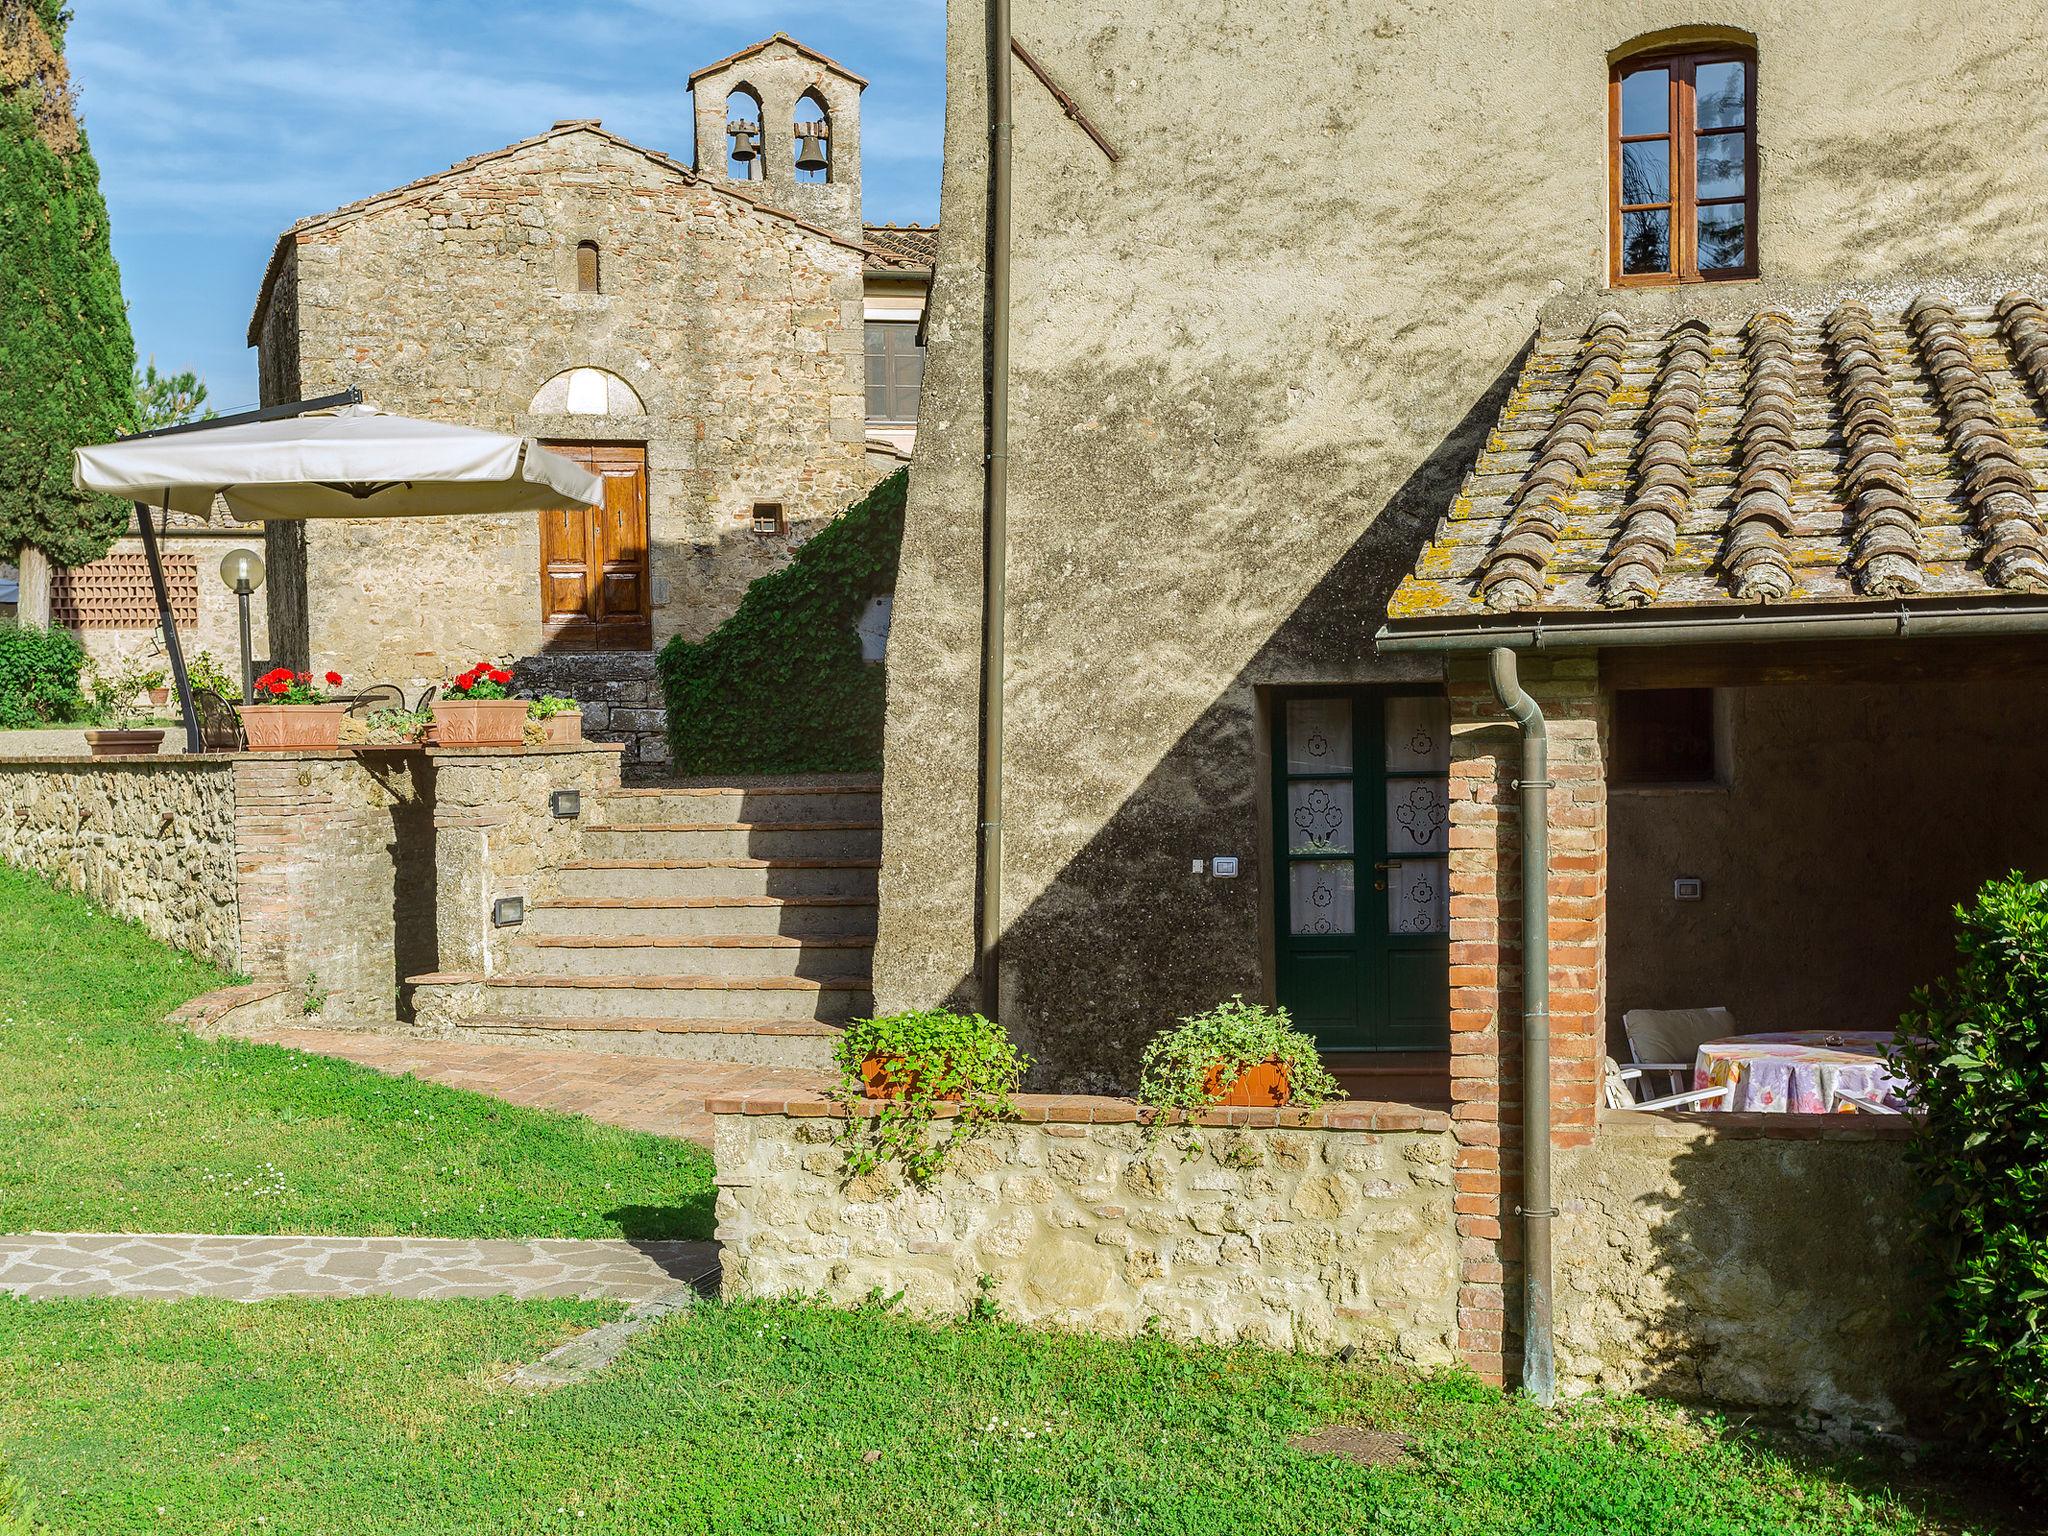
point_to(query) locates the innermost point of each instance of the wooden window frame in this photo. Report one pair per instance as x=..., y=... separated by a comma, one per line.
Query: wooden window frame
x=1683, y=134
x=771, y=513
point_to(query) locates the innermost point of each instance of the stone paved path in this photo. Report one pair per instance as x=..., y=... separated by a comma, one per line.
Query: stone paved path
x=44, y=1264
x=641, y=1093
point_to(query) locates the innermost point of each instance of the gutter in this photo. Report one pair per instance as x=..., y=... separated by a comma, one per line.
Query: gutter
x=1925, y=618
x=996, y=546
x=1539, y=1355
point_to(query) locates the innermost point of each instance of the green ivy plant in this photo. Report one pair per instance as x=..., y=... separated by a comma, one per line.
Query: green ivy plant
x=1975, y=1047
x=1233, y=1035
x=945, y=1058
x=780, y=686
x=548, y=706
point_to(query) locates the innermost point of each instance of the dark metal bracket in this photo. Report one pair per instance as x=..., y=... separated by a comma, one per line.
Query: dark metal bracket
x=1067, y=103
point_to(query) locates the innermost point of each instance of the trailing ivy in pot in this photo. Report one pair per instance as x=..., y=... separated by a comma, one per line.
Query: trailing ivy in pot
x=561, y=718
x=1237, y=1053
x=899, y=1069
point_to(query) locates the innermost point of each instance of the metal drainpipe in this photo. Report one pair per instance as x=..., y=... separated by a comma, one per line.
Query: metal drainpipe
x=998, y=507
x=1539, y=1359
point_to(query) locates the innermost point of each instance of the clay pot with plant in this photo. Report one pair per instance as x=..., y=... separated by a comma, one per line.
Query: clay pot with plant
x=477, y=710
x=1237, y=1054
x=561, y=718
x=897, y=1072
x=293, y=713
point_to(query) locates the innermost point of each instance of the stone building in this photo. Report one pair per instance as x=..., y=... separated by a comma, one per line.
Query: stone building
x=1626, y=337
x=697, y=334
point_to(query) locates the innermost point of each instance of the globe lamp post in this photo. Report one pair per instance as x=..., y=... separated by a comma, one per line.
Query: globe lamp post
x=242, y=570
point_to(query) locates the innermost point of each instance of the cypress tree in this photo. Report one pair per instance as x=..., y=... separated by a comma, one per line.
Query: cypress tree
x=66, y=356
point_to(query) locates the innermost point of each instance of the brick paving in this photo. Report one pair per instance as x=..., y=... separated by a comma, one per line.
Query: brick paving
x=639, y=1093
x=167, y=1264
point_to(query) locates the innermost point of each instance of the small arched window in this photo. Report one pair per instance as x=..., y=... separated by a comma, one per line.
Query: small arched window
x=813, y=127
x=746, y=155
x=587, y=273
x=1682, y=165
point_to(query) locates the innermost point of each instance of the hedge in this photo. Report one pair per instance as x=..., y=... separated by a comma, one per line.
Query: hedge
x=39, y=670
x=1976, y=1049
x=780, y=686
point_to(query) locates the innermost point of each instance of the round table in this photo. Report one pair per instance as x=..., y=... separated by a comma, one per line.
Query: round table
x=1803, y=1072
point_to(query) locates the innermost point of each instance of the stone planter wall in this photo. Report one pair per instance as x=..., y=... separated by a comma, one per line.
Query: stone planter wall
x=1335, y=1229
x=151, y=839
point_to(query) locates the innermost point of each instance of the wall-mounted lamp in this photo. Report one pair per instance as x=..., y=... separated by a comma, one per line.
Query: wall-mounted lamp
x=565, y=804
x=508, y=911
x=242, y=570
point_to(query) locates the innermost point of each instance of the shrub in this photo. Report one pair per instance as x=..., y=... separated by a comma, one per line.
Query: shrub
x=39, y=671
x=1233, y=1035
x=1976, y=1049
x=933, y=1057
x=780, y=686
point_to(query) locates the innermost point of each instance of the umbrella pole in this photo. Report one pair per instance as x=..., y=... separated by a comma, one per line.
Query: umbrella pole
x=193, y=743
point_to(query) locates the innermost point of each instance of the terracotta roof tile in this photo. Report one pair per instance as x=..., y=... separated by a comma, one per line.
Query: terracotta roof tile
x=916, y=245
x=1839, y=459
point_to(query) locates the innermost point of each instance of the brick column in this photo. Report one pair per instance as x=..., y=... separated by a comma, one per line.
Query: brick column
x=1486, y=978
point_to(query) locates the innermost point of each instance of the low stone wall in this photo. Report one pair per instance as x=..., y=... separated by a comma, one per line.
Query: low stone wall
x=620, y=695
x=1749, y=1259
x=1313, y=1229
x=149, y=839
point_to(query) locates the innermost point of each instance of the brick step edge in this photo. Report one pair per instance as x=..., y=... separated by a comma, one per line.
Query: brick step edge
x=650, y=983
x=1080, y=1109
x=743, y=789
x=722, y=864
x=809, y=1028
x=693, y=941
x=735, y=826
x=681, y=903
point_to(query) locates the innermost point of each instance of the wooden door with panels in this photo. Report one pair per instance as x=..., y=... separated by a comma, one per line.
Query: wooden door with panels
x=594, y=589
x=1361, y=821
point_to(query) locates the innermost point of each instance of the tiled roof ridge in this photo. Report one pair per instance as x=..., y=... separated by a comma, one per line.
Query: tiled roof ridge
x=780, y=37
x=1755, y=556
x=1662, y=495
x=1513, y=574
x=2004, y=499
x=1884, y=554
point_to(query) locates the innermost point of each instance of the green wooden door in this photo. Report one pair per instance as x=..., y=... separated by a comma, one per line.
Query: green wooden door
x=1361, y=818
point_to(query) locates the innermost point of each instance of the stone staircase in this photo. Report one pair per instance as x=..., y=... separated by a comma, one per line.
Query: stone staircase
x=706, y=924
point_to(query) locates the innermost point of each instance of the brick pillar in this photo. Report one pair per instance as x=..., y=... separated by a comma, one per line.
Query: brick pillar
x=1485, y=959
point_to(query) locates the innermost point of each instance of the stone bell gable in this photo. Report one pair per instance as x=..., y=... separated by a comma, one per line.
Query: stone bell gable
x=768, y=86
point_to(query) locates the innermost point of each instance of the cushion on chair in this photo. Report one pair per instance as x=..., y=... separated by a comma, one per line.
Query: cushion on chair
x=1675, y=1034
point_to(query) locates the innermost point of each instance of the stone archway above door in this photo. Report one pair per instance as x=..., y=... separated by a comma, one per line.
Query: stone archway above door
x=586, y=392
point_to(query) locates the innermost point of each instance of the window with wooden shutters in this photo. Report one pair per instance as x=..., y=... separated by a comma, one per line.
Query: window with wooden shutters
x=895, y=370
x=586, y=267
x=1682, y=165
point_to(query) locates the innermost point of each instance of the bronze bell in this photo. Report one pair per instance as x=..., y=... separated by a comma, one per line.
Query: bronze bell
x=810, y=152
x=745, y=139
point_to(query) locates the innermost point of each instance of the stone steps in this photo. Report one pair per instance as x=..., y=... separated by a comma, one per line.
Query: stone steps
x=758, y=806
x=726, y=954
x=734, y=840
x=703, y=916
x=450, y=995
x=797, y=1043
x=720, y=877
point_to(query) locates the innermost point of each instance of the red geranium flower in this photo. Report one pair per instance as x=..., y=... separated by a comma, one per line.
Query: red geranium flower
x=280, y=686
x=501, y=677
x=334, y=679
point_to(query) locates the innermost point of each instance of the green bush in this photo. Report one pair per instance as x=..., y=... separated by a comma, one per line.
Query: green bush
x=39, y=671
x=780, y=687
x=1976, y=1048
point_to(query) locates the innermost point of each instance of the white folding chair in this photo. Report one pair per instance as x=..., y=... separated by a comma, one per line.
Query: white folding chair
x=1620, y=1095
x=1667, y=1040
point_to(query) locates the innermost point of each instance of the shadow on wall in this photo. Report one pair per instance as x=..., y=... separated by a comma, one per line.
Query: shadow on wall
x=1124, y=940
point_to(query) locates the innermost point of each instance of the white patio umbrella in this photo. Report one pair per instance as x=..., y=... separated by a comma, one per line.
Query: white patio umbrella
x=331, y=457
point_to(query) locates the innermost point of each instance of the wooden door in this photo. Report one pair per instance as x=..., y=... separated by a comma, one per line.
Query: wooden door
x=593, y=561
x=1360, y=812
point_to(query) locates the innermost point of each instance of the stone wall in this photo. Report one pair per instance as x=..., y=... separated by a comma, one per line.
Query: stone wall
x=150, y=839
x=620, y=695
x=1751, y=1259
x=1336, y=1229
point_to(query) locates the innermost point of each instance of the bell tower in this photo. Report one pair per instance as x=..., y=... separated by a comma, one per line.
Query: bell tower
x=784, y=121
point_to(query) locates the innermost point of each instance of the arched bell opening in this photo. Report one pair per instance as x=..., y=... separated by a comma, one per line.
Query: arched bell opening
x=746, y=147
x=813, y=134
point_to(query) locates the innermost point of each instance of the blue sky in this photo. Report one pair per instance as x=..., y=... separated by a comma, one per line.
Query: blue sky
x=216, y=123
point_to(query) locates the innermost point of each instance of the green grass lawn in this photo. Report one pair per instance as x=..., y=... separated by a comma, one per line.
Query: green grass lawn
x=111, y=1121
x=381, y=1416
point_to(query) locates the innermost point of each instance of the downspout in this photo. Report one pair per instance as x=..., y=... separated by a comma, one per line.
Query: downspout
x=1539, y=1358
x=997, y=534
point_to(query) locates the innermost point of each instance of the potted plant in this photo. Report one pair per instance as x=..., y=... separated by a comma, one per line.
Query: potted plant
x=151, y=681
x=1237, y=1053
x=294, y=715
x=902, y=1067
x=477, y=711
x=562, y=719
x=115, y=708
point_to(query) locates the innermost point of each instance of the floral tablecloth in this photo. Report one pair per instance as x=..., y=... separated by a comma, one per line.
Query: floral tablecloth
x=1803, y=1072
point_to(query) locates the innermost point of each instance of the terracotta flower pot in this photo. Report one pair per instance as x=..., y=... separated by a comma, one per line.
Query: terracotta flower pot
x=565, y=729
x=293, y=727
x=884, y=1077
x=1264, y=1084
x=480, y=722
x=124, y=743
x=159, y=695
